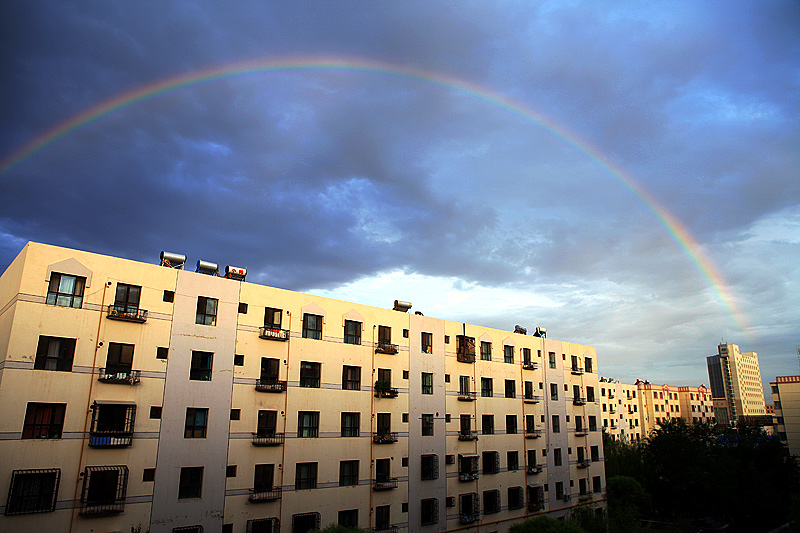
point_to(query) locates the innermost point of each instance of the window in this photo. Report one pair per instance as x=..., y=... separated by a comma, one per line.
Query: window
x=382, y=520
x=351, y=377
x=590, y=394
x=112, y=424
x=557, y=457
x=191, y=482
x=310, y=374
x=486, y=387
x=308, y=424
x=384, y=335
x=405, y=333
x=348, y=518
x=236, y=414
x=384, y=423
x=427, y=425
x=592, y=423
x=155, y=412
x=596, y=484
x=148, y=474
x=516, y=499
x=196, y=423
x=508, y=354
x=511, y=388
x=44, y=421
x=530, y=423
x=465, y=349
x=304, y=522
x=469, y=506
x=427, y=383
x=348, y=473
x=260, y=525
x=272, y=318
x=487, y=424
x=587, y=364
x=33, y=491
x=552, y=357
x=556, y=424
x=312, y=326
x=119, y=359
x=512, y=458
x=206, y=311
x=162, y=352
x=429, y=467
x=54, y=353
x=463, y=385
x=230, y=471
x=526, y=356
x=427, y=342
x=352, y=332
x=266, y=423
x=491, y=501
x=429, y=508
x=350, y=424
x=595, y=453
x=491, y=462
x=201, y=366
x=559, y=490
x=65, y=290
x=305, y=476
x=126, y=299
x=511, y=424
x=169, y=296
x=238, y=359
x=554, y=391
x=486, y=351
x=242, y=308
x=383, y=470
x=104, y=489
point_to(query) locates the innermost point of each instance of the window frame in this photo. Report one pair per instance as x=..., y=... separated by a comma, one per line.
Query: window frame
x=426, y=429
x=90, y=503
x=487, y=387
x=73, y=298
x=508, y=354
x=486, y=351
x=47, y=424
x=352, y=332
x=196, y=423
x=351, y=377
x=306, y=475
x=427, y=383
x=310, y=374
x=312, y=326
x=348, y=473
x=311, y=430
x=207, y=309
x=33, y=491
x=426, y=342
x=351, y=424
x=190, y=482
x=201, y=366
x=61, y=361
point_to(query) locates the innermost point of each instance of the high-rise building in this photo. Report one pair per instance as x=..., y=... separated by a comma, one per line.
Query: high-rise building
x=786, y=400
x=735, y=384
x=146, y=395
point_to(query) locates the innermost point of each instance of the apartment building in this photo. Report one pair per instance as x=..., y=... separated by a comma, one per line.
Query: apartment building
x=621, y=414
x=736, y=386
x=786, y=400
x=148, y=395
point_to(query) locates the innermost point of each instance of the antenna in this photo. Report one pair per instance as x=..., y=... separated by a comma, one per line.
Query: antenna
x=798, y=356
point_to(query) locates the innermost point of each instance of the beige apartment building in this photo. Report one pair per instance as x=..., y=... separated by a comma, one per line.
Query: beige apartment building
x=621, y=410
x=735, y=384
x=148, y=395
x=786, y=400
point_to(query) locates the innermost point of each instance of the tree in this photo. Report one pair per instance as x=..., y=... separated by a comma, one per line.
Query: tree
x=545, y=524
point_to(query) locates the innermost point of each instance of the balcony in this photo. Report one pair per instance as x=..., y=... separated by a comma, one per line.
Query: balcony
x=110, y=439
x=612, y=410
x=584, y=463
x=532, y=399
x=579, y=401
x=119, y=376
x=468, y=435
x=387, y=392
x=269, y=438
x=577, y=371
x=385, y=529
x=273, y=334
x=530, y=365
x=270, y=385
x=260, y=496
x=468, y=476
x=535, y=469
x=610, y=395
x=581, y=432
x=533, y=433
x=127, y=313
x=102, y=509
x=384, y=484
x=466, y=396
x=468, y=518
x=386, y=347
x=384, y=437
x=585, y=497
x=465, y=357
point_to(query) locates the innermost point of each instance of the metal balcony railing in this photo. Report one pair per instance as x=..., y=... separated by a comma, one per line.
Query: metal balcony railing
x=579, y=401
x=258, y=496
x=533, y=433
x=468, y=435
x=269, y=438
x=577, y=371
x=110, y=439
x=384, y=484
x=467, y=396
x=532, y=399
x=126, y=313
x=101, y=509
x=465, y=357
x=387, y=437
x=386, y=392
x=535, y=469
x=584, y=463
x=385, y=529
x=469, y=518
x=273, y=334
x=530, y=365
x=386, y=347
x=468, y=476
x=120, y=376
x=581, y=432
x=270, y=385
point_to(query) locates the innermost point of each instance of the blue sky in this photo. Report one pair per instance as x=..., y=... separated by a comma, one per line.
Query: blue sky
x=371, y=186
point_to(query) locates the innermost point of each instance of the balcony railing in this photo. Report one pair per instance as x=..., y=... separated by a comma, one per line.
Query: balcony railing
x=385, y=529
x=583, y=464
x=273, y=334
x=585, y=497
x=384, y=484
x=120, y=376
x=535, y=469
x=126, y=313
x=270, y=385
x=467, y=476
x=386, y=393
x=577, y=371
x=532, y=399
x=611, y=395
x=101, y=509
x=530, y=365
x=110, y=439
x=468, y=435
x=258, y=496
x=468, y=518
x=386, y=347
x=581, y=432
x=465, y=357
x=611, y=410
x=268, y=439
x=387, y=437
x=579, y=401
x=533, y=433
x=467, y=396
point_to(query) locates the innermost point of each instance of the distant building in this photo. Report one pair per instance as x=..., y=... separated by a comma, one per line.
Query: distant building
x=138, y=394
x=786, y=400
x=621, y=410
x=735, y=384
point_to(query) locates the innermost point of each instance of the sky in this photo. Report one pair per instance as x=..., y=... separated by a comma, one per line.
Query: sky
x=624, y=174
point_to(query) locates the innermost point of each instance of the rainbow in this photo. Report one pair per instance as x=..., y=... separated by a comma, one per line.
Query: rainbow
x=677, y=233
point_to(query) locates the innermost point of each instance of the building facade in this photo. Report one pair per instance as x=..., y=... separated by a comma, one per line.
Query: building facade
x=142, y=395
x=621, y=410
x=786, y=400
x=735, y=384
